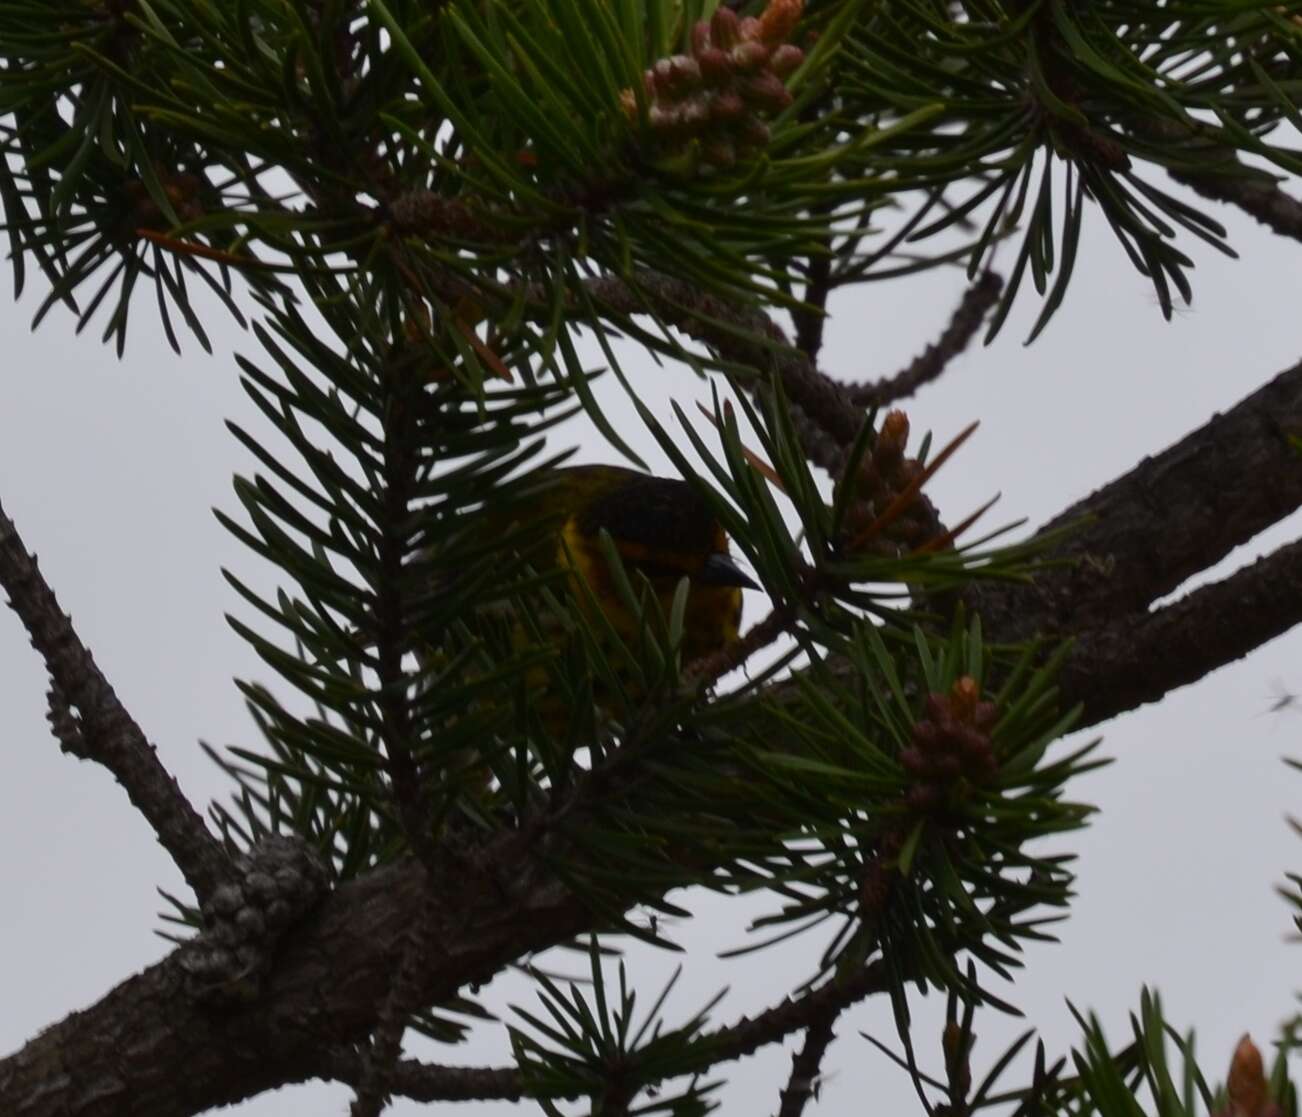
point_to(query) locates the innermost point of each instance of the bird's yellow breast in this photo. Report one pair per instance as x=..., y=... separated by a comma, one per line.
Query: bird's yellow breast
x=713, y=615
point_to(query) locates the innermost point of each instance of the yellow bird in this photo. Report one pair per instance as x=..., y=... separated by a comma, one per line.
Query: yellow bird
x=661, y=528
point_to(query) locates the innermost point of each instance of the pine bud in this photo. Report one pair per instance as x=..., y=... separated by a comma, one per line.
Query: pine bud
x=727, y=106
x=700, y=37
x=779, y=20
x=715, y=64
x=765, y=91
x=786, y=59
x=725, y=27
x=719, y=151
x=748, y=56
x=752, y=131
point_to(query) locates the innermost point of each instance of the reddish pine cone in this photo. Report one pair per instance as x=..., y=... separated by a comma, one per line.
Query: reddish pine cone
x=718, y=95
x=886, y=518
x=1247, y=1085
x=949, y=745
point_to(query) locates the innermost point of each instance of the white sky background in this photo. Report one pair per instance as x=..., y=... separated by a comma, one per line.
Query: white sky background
x=109, y=470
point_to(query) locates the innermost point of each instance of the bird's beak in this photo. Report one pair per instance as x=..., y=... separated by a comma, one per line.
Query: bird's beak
x=720, y=570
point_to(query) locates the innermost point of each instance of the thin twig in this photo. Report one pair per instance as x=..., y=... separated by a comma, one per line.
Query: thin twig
x=91, y=722
x=1278, y=211
x=709, y=669
x=802, y=1084
x=427, y=1082
x=742, y=334
x=963, y=325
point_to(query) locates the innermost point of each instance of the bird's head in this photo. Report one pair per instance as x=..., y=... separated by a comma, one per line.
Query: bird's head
x=665, y=530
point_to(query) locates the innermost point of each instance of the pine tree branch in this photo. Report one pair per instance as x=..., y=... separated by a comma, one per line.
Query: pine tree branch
x=744, y=335
x=957, y=335
x=1171, y=517
x=1227, y=178
x=148, y=1043
x=378, y=1063
x=805, y=1065
x=91, y=723
x=430, y=1082
x=1140, y=657
x=1141, y=536
x=813, y=1012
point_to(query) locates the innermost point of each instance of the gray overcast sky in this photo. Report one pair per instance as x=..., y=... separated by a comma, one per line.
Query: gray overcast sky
x=110, y=470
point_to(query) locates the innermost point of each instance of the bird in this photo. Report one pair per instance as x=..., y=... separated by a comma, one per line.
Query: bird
x=661, y=528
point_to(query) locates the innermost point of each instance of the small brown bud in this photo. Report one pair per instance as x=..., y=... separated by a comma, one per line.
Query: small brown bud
x=875, y=887
x=779, y=20
x=895, y=429
x=715, y=64
x=749, y=56
x=694, y=113
x=665, y=120
x=749, y=28
x=947, y=768
x=926, y=735
x=1246, y=1083
x=719, y=151
x=725, y=27
x=786, y=59
x=727, y=106
x=765, y=91
x=752, y=131
x=915, y=762
x=687, y=72
x=965, y=694
x=923, y=797
x=663, y=75
x=969, y=742
x=700, y=37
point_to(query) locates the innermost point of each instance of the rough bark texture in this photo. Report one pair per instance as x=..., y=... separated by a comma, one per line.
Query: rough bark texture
x=148, y=1048
x=1171, y=517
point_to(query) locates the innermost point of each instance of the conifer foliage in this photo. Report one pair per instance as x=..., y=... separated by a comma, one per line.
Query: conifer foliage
x=439, y=221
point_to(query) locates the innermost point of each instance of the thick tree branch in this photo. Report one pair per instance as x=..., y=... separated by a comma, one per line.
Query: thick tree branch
x=1142, y=656
x=429, y=1082
x=1172, y=516
x=149, y=1044
x=92, y=723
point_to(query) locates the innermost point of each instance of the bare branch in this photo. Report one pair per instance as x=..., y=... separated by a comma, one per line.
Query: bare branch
x=1264, y=200
x=91, y=723
x=802, y=1084
x=744, y=335
x=967, y=318
x=430, y=1082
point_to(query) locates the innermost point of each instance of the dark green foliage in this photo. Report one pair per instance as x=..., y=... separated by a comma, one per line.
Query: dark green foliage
x=432, y=208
